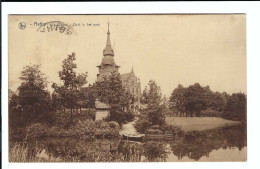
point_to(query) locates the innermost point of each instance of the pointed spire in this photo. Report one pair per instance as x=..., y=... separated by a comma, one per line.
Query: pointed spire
x=108, y=26
x=108, y=36
x=132, y=71
x=108, y=50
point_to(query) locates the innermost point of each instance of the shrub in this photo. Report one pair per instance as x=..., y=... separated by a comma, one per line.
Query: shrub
x=17, y=133
x=37, y=130
x=129, y=116
x=141, y=125
x=83, y=129
x=113, y=125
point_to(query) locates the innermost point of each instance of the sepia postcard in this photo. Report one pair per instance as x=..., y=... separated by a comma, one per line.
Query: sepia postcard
x=127, y=88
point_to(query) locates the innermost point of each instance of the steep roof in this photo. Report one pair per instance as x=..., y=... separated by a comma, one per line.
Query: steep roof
x=125, y=76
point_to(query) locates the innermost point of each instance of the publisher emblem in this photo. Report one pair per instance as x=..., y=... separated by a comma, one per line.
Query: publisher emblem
x=22, y=25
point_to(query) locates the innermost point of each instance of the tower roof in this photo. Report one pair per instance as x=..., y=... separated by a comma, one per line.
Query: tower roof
x=108, y=50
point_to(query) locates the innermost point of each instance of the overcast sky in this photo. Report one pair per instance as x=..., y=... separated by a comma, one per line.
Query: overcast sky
x=170, y=49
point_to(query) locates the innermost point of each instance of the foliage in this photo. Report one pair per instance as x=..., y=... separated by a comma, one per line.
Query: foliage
x=196, y=100
x=111, y=91
x=211, y=113
x=154, y=109
x=144, y=98
x=153, y=114
x=82, y=129
x=142, y=124
x=177, y=99
x=32, y=100
x=235, y=108
x=69, y=93
x=37, y=130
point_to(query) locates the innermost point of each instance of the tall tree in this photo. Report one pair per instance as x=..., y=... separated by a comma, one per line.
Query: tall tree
x=154, y=109
x=235, y=108
x=177, y=99
x=195, y=99
x=144, y=98
x=72, y=83
x=32, y=93
x=111, y=91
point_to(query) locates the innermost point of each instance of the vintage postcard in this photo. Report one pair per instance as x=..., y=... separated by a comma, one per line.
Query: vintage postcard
x=127, y=88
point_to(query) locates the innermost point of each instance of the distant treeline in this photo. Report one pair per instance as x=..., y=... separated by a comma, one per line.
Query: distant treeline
x=196, y=100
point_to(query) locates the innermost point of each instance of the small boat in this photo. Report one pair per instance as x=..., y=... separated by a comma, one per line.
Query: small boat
x=133, y=137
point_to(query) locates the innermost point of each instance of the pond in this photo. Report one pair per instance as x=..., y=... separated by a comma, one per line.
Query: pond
x=222, y=144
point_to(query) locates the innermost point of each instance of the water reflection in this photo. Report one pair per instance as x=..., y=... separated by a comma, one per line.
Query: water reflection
x=191, y=146
x=195, y=145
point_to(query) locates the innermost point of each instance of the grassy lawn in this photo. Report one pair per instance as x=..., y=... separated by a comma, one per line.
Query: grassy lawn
x=199, y=123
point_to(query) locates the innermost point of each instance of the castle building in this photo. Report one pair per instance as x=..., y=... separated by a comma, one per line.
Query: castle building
x=129, y=80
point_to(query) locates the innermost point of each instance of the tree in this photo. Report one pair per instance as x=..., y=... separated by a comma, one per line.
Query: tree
x=87, y=97
x=235, y=108
x=165, y=105
x=144, y=98
x=195, y=99
x=111, y=91
x=154, y=109
x=72, y=84
x=32, y=99
x=178, y=99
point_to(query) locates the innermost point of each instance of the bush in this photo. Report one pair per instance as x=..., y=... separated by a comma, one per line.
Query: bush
x=83, y=129
x=129, y=116
x=17, y=133
x=37, y=130
x=141, y=125
x=106, y=129
x=113, y=125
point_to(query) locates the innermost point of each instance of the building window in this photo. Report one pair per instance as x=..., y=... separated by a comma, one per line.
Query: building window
x=133, y=82
x=136, y=90
x=133, y=90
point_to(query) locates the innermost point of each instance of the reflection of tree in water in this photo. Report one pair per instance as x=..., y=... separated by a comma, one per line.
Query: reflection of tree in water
x=131, y=151
x=73, y=150
x=194, y=145
x=151, y=150
x=198, y=144
x=97, y=151
x=156, y=151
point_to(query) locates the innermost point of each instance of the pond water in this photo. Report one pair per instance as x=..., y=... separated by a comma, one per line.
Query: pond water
x=223, y=144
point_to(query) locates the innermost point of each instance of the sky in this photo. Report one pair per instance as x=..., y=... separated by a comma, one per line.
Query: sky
x=170, y=49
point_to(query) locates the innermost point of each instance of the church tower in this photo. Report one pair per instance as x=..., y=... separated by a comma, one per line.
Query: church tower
x=108, y=64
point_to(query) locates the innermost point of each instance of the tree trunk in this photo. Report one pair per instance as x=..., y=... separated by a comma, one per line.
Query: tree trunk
x=34, y=114
x=71, y=115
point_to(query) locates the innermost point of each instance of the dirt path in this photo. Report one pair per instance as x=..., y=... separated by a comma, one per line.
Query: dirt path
x=128, y=128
